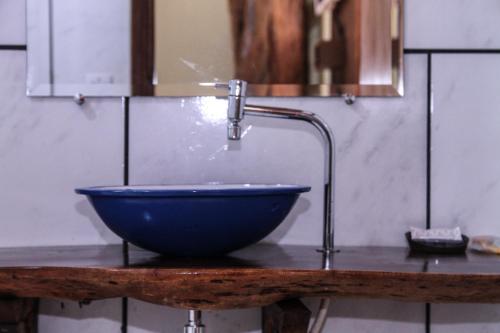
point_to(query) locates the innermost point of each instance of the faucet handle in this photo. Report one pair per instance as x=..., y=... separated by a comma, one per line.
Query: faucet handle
x=237, y=93
x=236, y=87
x=221, y=85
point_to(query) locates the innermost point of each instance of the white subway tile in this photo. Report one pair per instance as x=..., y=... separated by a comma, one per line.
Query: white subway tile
x=373, y=316
x=452, y=23
x=465, y=136
x=465, y=318
x=466, y=166
x=48, y=147
x=64, y=316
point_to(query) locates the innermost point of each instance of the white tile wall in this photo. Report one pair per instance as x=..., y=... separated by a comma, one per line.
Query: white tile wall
x=72, y=317
x=373, y=316
x=466, y=166
x=48, y=147
x=465, y=318
x=465, y=137
x=380, y=173
x=12, y=22
x=452, y=23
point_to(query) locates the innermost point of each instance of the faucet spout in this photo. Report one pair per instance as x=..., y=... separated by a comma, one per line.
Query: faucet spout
x=329, y=141
x=233, y=130
x=236, y=108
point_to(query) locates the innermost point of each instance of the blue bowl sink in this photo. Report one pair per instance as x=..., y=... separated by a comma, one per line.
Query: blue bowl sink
x=193, y=220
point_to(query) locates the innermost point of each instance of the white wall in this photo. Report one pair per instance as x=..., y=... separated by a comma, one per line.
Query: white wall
x=49, y=146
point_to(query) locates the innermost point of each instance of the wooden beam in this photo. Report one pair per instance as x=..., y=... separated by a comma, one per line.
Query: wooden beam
x=142, y=47
x=290, y=316
x=256, y=276
x=18, y=315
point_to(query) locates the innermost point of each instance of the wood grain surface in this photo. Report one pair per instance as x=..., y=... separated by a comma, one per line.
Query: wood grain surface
x=290, y=316
x=254, y=277
x=143, y=34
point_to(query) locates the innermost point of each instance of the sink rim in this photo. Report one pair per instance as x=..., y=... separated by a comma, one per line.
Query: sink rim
x=192, y=190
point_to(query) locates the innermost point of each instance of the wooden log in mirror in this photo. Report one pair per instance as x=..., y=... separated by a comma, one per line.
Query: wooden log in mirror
x=184, y=47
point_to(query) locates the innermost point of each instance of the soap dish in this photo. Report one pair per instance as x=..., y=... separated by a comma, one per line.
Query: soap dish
x=437, y=246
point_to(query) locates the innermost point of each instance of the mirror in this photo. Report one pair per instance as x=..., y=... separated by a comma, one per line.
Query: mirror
x=184, y=47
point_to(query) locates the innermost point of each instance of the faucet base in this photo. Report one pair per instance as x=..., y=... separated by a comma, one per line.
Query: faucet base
x=327, y=257
x=194, y=324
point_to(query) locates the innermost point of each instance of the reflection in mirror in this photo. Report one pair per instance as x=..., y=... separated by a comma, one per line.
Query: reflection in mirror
x=183, y=47
x=77, y=46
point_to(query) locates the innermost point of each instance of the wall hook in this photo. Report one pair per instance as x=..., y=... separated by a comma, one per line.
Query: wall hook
x=79, y=99
x=349, y=99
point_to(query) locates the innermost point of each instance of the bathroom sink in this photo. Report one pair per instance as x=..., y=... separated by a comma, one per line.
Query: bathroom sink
x=193, y=220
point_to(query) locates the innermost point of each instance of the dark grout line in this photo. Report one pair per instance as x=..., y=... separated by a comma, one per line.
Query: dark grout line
x=124, y=327
x=429, y=171
x=13, y=47
x=427, y=318
x=452, y=51
x=52, y=81
x=406, y=50
x=126, y=116
x=429, y=140
x=126, y=141
x=428, y=189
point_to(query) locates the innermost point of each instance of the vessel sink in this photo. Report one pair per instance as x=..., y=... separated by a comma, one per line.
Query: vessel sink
x=193, y=220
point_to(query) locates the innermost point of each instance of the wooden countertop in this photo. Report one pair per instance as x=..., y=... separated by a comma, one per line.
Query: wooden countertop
x=256, y=276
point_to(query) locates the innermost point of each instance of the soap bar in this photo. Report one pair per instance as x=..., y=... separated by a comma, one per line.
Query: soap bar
x=437, y=246
x=436, y=234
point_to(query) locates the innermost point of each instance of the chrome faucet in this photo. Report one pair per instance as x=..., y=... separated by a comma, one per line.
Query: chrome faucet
x=194, y=324
x=237, y=109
